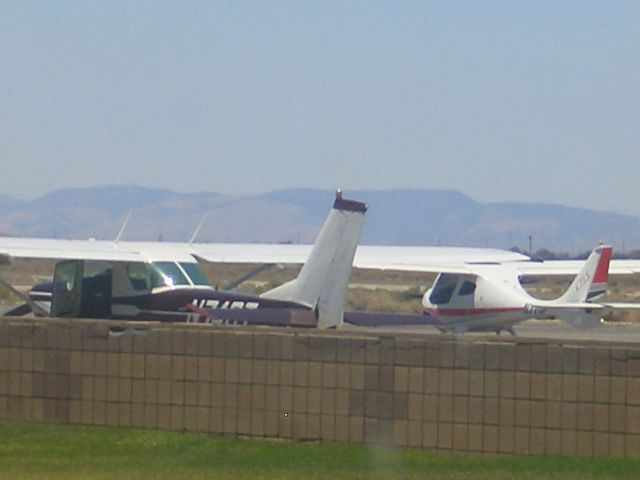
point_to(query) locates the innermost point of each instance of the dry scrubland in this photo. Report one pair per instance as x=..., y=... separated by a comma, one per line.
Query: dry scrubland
x=377, y=291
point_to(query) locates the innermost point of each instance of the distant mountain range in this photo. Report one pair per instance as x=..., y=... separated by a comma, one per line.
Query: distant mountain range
x=400, y=217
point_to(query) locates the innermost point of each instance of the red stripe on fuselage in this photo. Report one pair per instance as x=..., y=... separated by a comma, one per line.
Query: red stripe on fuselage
x=602, y=272
x=465, y=312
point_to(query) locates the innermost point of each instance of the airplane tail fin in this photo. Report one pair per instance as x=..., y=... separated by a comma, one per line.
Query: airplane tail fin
x=323, y=280
x=592, y=280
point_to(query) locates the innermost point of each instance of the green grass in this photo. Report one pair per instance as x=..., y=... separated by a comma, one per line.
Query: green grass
x=48, y=452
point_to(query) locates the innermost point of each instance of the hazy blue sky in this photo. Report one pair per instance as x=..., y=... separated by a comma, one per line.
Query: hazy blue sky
x=525, y=101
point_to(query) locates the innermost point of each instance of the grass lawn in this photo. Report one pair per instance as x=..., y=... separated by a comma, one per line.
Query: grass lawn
x=47, y=452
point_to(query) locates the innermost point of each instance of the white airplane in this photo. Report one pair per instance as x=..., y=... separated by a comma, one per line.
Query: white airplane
x=491, y=298
x=156, y=281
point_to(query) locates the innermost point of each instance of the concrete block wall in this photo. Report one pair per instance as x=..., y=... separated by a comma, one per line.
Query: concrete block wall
x=435, y=392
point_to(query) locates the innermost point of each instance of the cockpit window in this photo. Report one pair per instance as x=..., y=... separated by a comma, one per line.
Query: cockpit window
x=166, y=274
x=443, y=289
x=467, y=288
x=194, y=272
x=139, y=275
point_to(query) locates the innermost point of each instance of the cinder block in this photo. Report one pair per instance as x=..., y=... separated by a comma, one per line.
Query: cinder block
x=430, y=407
x=343, y=354
x=601, y=361
x=416, y=353
x=632, y=446
x=137, y=366
x=586, y=360
x=75, y=412
x=124, y=389
x=216, y=420
x=356, y=429
x=431, y=355
x=300, y=376
x=507, y=411
x=414, y=434
x=257, y=423
x=99, y=387
x=99, y=413
x=490, y=439
x=125, y=362
x=177, y=342
x=177, y=418
x=618, y=390
x=491, y=384
x=474, y=438
x=244, y=422
x=476, y=382
x=342, y=428
x=569, y=419
x=461, y=356
x=287, y=349
x=205, y=343
x=555, y=359
x=327, y=428
x=460, y=409
x=400, y=406
x=585, y=388
x=357, y=376
x=554, y=387
x=272, y=399
x=190, y=419
x=372, y=352
x=273, y=347
x=86, y=392
x=112, y=414
x=538, y=413
x=506, y=439
x=584, y=445
x=445, y=436
x=177, y=368
x=387, y=345
x=258, y=397
x=600, y=444
x=507, y=384
x=313, y=427
x=521, y=443
x=124, y=414
x=491, y=357
x=113, y=389
x=191, y=393
x=164, y=367
x=370, y=404
x=245, y=370
x=230, y=420
x=445, y=408
x=401, y=379
x=271, y=420
x=523, y=385
x=286, y=399
x=26, y=360
x=191, y=342
x=616, y=445
x=86, y=412
x=275, y=375
x=177, y=393
x=314, y=374
x=569, y=444
x=164, y=391
x=618, y=362
x=507, y=357
x=230, y=395
x=522, y=413
x=259, y=346
x=401, y=352
x=633, y=419
x=523, y=357
x=537, y=443
x=191, y=368
x=585, y=416
x=539, y=358
x=538, y=386
x=342, y=375
x=601, y=415
x=447, y=354
x=328, y=401
x=570, y=359
x=633, y=391
x=446, y=377
x=476, y=410
x=300, y=349
x=329, y=375
x=314, y=396
x=429, y=435
x=491, y=411
x=400, y=433
x=231, y=370
x=415, y=403
x=461, y=382
x=137, y=415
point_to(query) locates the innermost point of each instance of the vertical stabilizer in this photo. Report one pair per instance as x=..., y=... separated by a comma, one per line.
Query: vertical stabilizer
x=323, y=280
x=592, y=279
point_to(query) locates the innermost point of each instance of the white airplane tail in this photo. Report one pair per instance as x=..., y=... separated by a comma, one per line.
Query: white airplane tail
x=575, y=307
x=592, y=280
x=323, y=280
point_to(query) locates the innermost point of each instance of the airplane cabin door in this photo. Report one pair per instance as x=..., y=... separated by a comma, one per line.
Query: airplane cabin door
x=67, y=289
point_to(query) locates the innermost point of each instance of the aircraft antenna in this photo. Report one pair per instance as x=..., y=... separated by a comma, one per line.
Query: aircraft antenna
x=197, y=230
x=124, y=225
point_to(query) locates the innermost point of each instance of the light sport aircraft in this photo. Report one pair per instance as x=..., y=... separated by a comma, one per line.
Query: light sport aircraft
x=155, y=281
x=491, y=298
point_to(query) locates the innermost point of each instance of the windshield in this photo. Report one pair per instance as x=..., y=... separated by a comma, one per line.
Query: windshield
x=166, y=274
x=196, y=275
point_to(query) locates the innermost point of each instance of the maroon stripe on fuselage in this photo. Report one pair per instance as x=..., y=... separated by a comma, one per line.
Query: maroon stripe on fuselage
x=466, y=312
